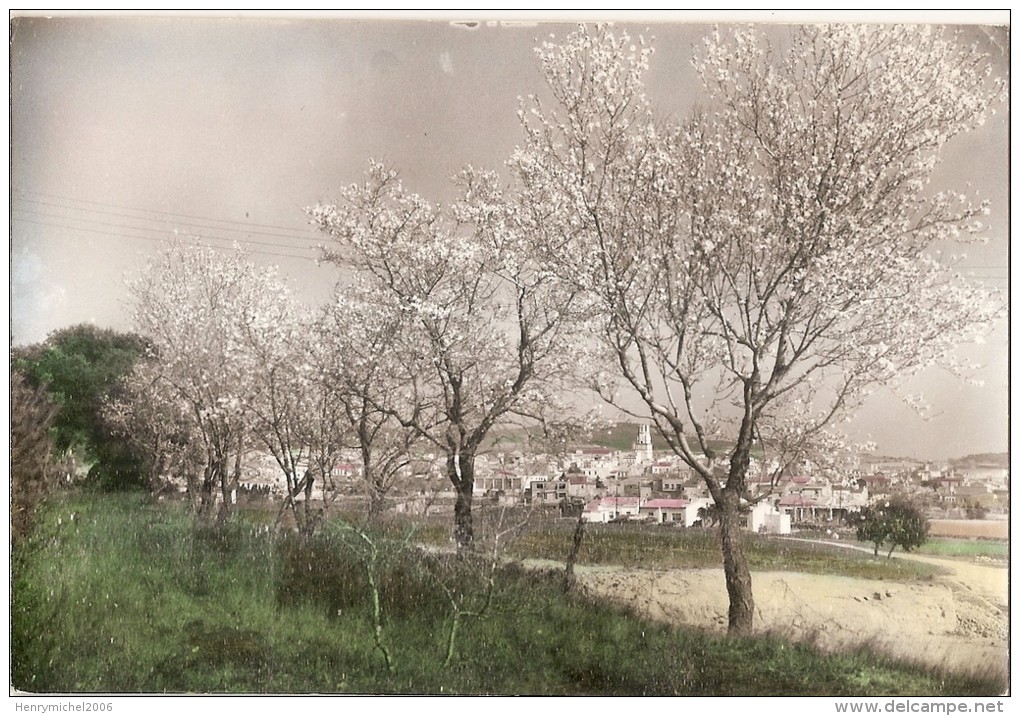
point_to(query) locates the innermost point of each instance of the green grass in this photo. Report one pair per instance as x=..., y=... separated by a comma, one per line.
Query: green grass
x=661, y=547
x=967, y=548
x=130, y=597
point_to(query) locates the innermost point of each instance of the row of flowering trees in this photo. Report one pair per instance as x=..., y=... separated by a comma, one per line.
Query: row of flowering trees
x=747, y=275
x=456, y=332
x=237, y=366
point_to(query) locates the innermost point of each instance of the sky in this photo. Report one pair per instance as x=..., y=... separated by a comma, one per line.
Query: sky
x=127, y=131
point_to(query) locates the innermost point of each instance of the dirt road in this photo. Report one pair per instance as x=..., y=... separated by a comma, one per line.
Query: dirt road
x=958, y=621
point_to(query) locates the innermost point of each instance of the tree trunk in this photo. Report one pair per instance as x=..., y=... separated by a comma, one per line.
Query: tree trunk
x=738, y=576
x=461, y=469
x=305, y=524
x=376, y=494
x=575, y=548
x=224, y=511
x=207, y=495
x=376, y=502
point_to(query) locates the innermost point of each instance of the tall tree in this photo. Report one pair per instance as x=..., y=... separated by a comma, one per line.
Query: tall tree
x=80, y=367
x=764, y=265
x=484, y=334
x=360, y=368
x=191, y=301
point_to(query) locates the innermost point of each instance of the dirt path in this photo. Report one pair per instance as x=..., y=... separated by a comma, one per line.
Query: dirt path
x=958, y=621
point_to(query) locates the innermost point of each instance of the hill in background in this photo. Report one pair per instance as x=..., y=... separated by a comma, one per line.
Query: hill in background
x=622, y=436
x=984, y=459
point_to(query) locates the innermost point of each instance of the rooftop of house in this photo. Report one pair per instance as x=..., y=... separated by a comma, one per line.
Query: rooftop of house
x=665, y=503
x=796, y=501
x=878, y=479
x=594, y=505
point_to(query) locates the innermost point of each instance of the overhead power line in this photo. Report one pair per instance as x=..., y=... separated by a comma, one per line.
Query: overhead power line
x=253, y=227
x=52, y=210
x=200, y=239
x=117, y=220
x=163, y=230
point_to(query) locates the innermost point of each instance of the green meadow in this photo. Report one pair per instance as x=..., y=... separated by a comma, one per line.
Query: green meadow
x=117, y=594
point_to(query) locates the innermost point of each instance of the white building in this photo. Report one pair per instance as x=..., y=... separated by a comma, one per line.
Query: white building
x=643, y=446
x=610, y=508
x=665, y=510
x=764, y=517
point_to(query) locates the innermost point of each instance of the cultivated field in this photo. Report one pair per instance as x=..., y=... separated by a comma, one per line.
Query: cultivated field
x=988, y=529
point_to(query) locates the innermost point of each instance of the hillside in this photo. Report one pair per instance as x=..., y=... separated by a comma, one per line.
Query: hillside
x=620, y=436
x=984, y=459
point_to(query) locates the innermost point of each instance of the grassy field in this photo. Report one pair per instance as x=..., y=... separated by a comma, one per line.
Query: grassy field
x=976, y=549
x=114, y=594
x=967, y=548
x=660, y=547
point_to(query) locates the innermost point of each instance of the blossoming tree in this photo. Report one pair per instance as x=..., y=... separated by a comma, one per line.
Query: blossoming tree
x=766, y=263
x=484, y=333
x=357, y=360
x=158, y=426
x=293, y=411
x=185, y=302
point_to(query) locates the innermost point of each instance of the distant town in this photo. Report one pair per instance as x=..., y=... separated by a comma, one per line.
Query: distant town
x=607, y=484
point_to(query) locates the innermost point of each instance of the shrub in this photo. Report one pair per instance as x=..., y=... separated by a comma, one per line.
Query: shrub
x=32, y=415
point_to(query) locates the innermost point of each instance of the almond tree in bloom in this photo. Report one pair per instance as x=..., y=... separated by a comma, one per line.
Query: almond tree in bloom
x=189, y=302
x=484, y=333
x=292, y=410
x=765, y=264
x=359, y=366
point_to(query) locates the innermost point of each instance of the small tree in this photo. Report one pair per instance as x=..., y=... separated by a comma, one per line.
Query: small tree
x=291, y=413
x=356, y=362
x=897, y=521
x=157, y=428
x=975, y=510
